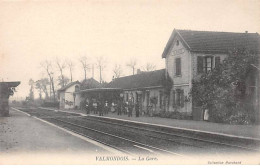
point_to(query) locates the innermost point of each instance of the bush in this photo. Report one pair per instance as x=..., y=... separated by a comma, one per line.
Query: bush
x=223, y=90
x=24, y=103
x=239, y=119
x=240, y=113
x=173, y=115
x=51, y=104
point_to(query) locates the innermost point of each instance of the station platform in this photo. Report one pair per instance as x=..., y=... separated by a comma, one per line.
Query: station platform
x=24, y=137
x=240, y=131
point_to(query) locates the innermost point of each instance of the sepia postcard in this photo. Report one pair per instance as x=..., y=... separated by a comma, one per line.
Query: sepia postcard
x=129, y=82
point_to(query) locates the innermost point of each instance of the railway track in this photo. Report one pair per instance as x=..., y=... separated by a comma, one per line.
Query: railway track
x=136, y=138
x=122, y=144
x=247, y=145
x=118, y=142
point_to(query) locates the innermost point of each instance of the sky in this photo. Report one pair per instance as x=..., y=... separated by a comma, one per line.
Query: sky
x=118, y=30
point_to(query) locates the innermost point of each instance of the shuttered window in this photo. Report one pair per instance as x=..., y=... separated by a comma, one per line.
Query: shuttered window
x=173, y=98
x=205, y=64
x=217, y=62
x=148, y=98
x=208, y=64
x=178, y=66
x=160, y=96
x=200, y=64
x=179, y=98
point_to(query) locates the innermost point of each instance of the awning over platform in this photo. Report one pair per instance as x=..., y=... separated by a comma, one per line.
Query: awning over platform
x=9, y=84
x=100, y=90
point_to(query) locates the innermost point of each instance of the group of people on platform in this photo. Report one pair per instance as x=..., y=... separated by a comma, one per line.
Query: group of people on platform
x=121, y=107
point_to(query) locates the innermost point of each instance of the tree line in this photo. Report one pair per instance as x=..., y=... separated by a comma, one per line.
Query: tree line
x=55, y=68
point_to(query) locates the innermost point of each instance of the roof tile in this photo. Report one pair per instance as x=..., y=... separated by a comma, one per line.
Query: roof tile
x=138, y=81
x=200, y=41
x=68, y=85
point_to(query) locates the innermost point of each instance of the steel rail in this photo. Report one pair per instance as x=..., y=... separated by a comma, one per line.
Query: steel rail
x=182, y=136
x=112, y=146
x=44, y=117
x=160, y=132
x=116, y=136
x=166, y=139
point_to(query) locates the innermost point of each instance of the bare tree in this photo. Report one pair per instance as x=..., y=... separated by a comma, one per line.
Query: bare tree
x=85, y=65
x=41, y=85
x=48, y=68
x=117, y=71
x=31, y=83
x=71, y=67
x=61, y=66
x=132, y=64
x=63, y=81
x=149, y=67
x=101, y=65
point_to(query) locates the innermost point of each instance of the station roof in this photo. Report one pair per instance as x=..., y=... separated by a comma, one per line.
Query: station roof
x=150, y=79
x=89, y=84
x=10, y=84
x=68, y=85
x=99, y=90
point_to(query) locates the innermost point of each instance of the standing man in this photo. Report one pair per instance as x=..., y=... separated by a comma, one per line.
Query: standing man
x=90, y=105
x=137, y=109
x=119, y=108
x=130, y=110
x=95, y=107
x=126, y=108
x=106, y=108
x=100, y=108
x=87, y=107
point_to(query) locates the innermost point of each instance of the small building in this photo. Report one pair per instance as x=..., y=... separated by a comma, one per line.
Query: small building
x=190, y=53
x=67, y=95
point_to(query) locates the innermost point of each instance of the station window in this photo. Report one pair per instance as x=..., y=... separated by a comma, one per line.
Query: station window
x=208, y=64
x=76, y=88
x=173, y=98
x=178, y=66
x=179, y=99
x=161, y=99
x=205, y=64
x=148, y=98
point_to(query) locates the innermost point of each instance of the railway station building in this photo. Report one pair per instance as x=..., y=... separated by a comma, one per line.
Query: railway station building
x=190, y=53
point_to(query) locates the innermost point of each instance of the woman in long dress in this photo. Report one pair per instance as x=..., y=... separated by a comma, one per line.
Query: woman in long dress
x=206, y=115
